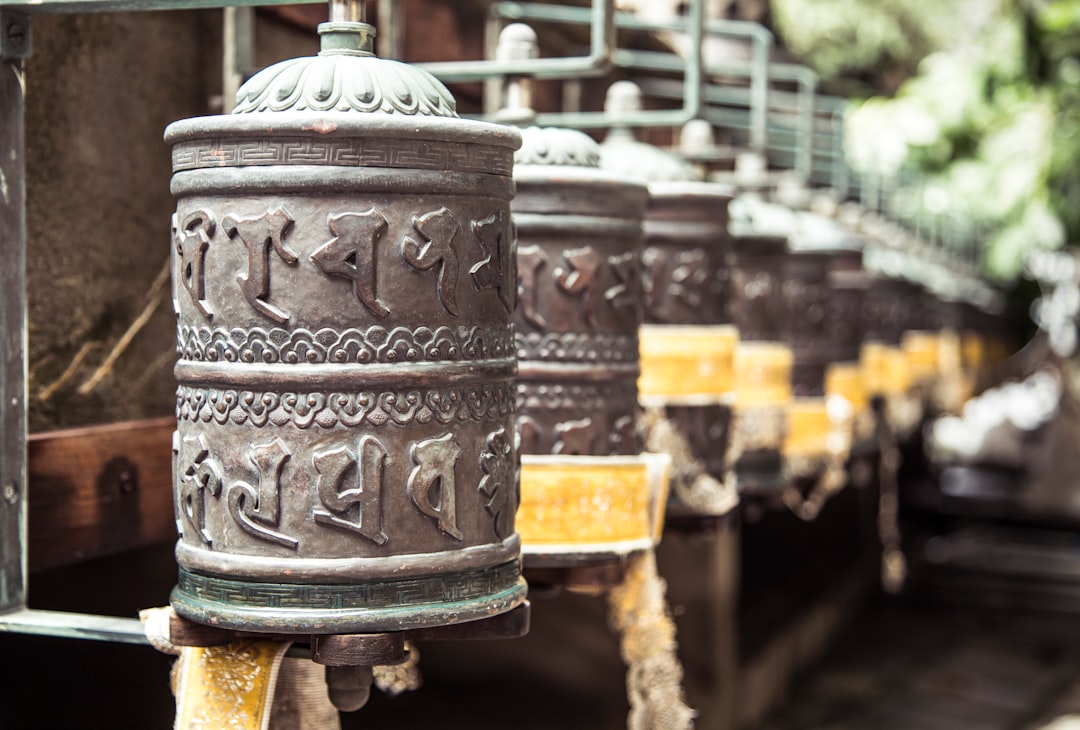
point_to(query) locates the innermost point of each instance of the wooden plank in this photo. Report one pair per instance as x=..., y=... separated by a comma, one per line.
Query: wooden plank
x=100, y=490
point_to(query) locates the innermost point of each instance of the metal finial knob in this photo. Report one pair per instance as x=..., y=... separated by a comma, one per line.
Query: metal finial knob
x=517, y=42
x=623, y=100
x=696, y=137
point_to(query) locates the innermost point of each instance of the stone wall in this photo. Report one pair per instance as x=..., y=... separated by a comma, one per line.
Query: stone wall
x=100, y=90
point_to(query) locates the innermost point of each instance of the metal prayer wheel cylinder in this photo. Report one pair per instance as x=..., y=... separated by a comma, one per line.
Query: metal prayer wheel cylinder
x=806, y=296
x=688, y=341
x=579, y=262
x=763, y=361
x=589, y=497
x=756, y=291
x=687, y=251
x=344, y=279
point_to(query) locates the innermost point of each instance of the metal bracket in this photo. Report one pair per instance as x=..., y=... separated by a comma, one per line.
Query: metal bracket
x=14, y=35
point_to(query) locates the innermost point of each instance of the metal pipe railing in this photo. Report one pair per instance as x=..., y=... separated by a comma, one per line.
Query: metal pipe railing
x=601, y=17
x=694, y=25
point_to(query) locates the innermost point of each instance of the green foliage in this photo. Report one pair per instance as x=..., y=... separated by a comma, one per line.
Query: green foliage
x=989, y=122
x=863, y=47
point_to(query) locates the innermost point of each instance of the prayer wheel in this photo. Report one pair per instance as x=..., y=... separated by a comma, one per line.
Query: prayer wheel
x=345, y=281
x=687, y=340
x=763, y=360
x=589, y=497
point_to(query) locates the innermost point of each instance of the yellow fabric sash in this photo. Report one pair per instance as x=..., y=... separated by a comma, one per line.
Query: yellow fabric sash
x=228, y=687
x=681, y=364
x=598, y=502
x=762, y=374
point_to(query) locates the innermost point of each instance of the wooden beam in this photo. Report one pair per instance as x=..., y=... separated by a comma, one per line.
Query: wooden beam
x=99, y=490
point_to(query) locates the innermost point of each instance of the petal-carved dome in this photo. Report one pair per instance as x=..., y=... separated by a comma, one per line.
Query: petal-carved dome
x=556, y=146
x=345, y=79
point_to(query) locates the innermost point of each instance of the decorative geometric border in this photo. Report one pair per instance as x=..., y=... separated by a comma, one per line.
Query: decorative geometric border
x=326, y=410
x=416, y=154
x=577, y=347
x=373, y=345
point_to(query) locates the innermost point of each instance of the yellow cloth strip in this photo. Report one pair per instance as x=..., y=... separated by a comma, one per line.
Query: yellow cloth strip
x=923, y=352
x=808, y=428
x=950, y=353
x=228, y=687
x=762, y=374
x=591, y=500
x=679, y=361
x=845, y=380
x=973, y=347
x=885, y=369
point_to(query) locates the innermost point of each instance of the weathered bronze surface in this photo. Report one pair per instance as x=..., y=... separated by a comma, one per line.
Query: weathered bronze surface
x=686, y=253
x=579, y=263
x=344, y=277
x=888, y=309
x=824, y=290
x=844, y=322
x=756, y=294
x=806, y=311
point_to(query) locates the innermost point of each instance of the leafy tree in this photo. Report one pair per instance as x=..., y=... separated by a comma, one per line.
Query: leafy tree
x=988, y=122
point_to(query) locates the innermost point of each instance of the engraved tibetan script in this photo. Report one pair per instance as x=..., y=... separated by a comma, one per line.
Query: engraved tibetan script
x=575, y=437
x=334, y=467
x=496, y=270
x=499, y=484
x=531, y=259
x=432, y=486
x=438, y=229
x=197, y=475
x=259, y=235
x=193, y=236
x=351, y=254
x=258, y=509
x=580, y=277
x=621, y=296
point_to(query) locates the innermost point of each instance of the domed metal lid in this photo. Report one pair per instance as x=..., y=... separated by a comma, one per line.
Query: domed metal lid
x=346, y=76
x=557, y=146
